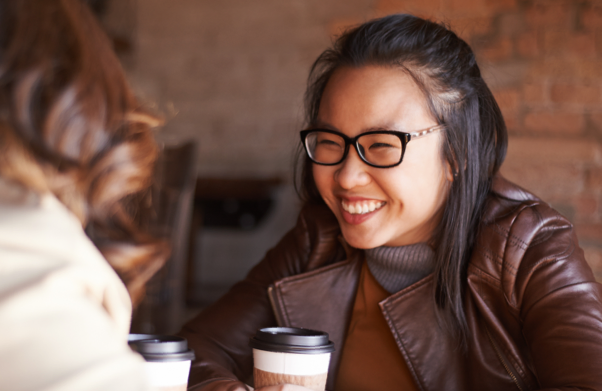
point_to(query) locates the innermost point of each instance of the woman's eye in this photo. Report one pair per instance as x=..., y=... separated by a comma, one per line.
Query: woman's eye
x=328, y=143
x=381, y=145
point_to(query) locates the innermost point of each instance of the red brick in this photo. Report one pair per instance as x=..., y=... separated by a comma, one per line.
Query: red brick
x=511, y=24
x=469, y=7
x=598, y=39
x=535, y=92
x=527, y=44
x=589, y=232
x=583, y=94
x=588, y=69
x=596, y=120
x=414, y=6
x=594, y=180
x=551, y=168
x=512, y=124
x=554, y=151
x=582, y=45
x=503, y=5
x=586, y=208
x=591, y=17
x=597, y=117
x=508, y=100
x=545, y=13
x=548, y=181
x=555, y=42
x=500, y=49
x=569, y=44
x=389, y=6
x=469, y=27
x=339, y=26
x=552, y=122
x=446, y=10
x=593, y=256
x=566, y=68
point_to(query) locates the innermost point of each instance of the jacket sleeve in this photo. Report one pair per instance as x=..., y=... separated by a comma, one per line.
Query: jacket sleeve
x=559, y=303
x=220, y=334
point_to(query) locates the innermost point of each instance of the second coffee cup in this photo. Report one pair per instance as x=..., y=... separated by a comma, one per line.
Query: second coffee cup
x=167, y=359
x=291, y=355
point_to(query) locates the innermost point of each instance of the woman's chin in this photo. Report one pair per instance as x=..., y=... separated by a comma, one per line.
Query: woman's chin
x=359, y=240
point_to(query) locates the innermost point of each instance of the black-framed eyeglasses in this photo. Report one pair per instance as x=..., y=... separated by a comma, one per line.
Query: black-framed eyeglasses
x=380, y=148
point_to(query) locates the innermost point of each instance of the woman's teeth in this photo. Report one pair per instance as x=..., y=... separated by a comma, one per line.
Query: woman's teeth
x=359, y=208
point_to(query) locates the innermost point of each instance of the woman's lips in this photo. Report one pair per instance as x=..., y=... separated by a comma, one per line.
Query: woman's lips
x=358, y=211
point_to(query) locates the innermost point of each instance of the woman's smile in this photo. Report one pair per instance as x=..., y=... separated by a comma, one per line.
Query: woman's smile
x=361, y=207
x=358, y=210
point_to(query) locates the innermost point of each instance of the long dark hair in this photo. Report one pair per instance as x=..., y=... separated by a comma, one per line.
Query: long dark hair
x=70, y=125
x=474, y=142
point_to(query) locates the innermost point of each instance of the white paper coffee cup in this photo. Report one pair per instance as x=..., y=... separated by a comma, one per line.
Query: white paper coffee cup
x=286, y=355
x=167, y=359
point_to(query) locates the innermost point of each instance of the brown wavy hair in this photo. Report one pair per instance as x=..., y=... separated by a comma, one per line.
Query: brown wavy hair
x=70, y=125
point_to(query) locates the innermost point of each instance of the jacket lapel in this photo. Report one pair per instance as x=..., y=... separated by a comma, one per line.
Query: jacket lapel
x=319, y=300
x=424, y=342
x=323, y=300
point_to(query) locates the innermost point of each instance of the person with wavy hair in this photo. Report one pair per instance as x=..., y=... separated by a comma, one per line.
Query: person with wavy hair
x=77, y=155
x=428, y=270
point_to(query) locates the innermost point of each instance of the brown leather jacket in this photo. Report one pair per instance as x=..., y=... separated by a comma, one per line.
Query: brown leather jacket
x=533, y=306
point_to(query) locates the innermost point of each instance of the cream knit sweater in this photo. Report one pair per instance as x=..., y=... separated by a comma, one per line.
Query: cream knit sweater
x=64, y=313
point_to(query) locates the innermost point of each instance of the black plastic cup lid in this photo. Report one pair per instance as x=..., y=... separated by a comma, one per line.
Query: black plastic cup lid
x=158, y=348
x=292, y=340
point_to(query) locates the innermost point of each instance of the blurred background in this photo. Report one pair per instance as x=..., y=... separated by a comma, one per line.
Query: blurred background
x=229, y=76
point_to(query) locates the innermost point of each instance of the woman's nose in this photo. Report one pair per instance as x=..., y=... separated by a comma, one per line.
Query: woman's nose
x=352, y=172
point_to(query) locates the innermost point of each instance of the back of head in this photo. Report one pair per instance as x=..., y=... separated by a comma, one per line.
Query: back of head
x=474, y=141
x=70, y=125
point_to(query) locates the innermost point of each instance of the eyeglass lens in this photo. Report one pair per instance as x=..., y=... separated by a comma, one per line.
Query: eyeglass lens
x=379, y=149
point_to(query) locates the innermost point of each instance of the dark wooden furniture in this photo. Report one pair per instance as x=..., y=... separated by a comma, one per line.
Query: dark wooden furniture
x=162, y=310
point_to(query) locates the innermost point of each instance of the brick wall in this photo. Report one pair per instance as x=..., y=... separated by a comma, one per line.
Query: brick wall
x=232, y=74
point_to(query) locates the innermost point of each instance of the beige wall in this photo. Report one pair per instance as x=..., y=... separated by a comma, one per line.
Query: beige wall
x=234, y=71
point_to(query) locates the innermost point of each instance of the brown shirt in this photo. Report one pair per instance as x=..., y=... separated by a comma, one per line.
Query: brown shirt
x=370, y=358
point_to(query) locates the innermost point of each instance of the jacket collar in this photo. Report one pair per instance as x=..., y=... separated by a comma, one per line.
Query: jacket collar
x=299, y=301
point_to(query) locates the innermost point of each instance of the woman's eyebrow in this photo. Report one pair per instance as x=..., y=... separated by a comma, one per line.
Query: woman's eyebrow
x=325, y=125
x=388, y=128
x=321, y=124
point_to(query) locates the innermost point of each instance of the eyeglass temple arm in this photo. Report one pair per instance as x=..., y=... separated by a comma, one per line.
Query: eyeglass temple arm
x=424, y=132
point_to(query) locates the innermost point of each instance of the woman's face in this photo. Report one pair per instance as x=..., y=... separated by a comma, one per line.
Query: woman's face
x=408, y=198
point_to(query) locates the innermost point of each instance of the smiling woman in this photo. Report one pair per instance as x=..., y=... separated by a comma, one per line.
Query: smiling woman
x=427, y=269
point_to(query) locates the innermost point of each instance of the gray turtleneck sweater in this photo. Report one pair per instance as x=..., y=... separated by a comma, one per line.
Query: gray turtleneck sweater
x=396, y=268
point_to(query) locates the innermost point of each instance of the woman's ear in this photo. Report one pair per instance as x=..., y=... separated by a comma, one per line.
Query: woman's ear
x=451, y=172
x=448, y=158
